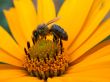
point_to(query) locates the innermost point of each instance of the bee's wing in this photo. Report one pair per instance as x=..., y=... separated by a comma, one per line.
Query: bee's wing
x=53, y=20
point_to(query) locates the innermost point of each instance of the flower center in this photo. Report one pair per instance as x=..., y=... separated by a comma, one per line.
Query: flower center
x=45, y=59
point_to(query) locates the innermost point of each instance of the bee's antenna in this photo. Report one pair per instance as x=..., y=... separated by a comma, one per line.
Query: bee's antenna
x=52, y=21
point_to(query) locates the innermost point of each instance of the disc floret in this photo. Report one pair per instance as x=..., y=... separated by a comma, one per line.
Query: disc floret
x=44, y=59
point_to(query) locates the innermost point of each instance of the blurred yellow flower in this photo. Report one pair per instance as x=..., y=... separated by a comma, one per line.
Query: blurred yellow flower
x=84, y=22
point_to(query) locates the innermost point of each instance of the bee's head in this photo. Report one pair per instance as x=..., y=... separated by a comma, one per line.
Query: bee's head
x=35, y=34
x=41, y=27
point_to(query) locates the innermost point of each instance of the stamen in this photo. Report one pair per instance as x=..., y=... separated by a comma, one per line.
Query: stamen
x=28, y=45
x=33, y=41
x=45, y=59
x=27, y=53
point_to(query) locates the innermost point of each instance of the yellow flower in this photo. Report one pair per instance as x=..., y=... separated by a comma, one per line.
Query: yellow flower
x=84, y=22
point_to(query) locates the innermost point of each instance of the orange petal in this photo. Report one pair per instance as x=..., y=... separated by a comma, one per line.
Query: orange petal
x=9, y=45
x=97, y=37
x=15, y=27
x=23, y=79
x=8, y=72
x=73, y=13
x=27, y=16
x=10, y=59
x=46, y=10
x=92, y=24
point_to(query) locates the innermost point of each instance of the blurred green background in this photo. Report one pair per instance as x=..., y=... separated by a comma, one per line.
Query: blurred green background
x=4, y=4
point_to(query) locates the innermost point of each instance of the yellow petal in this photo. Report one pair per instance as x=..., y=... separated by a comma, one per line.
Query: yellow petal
x=27, y=16
x=8, y=73
x=7, y=66
x=15, y=26
x=90, y=66
x=102, y=59
x=92, y=24
x=98, y=72
x=73, y=78
x=73, y=14
x=95, y=5
x=98, y=36
x=96, y=58
x=46, y=10
x=98, y=5
x=10, y=59
x=100, y=51
x=94, y=74
x=23, y=79
x=9, y=45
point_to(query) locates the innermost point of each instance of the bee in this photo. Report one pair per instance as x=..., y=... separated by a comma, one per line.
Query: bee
x=43, y=30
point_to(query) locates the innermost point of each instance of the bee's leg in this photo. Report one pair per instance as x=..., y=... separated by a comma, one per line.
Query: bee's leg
x=27, y=53
x=36, y=38
x=54, y=38
x=28, y=45
x=33, y=40
x=61, y=44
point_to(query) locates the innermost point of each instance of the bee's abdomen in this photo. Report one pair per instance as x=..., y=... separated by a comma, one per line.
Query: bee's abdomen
x=57, y=30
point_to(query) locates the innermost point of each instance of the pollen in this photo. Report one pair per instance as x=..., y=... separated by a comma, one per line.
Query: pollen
x=44, y=59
